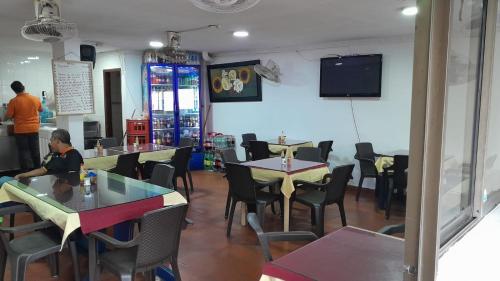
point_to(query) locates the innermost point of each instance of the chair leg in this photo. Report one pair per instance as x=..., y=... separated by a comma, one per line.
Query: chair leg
x=388, y=202
x=230, y=220
x=3, y=263
x=313, y=217
x=175, y=268
x=53, y=260
x=260, y=208
x=190, y=180
x=18, y=269
x=12, y=222
x=74, y=259
x=342, y=213
x=186, y=187
x=360, y=186
x=319, y=211
x=228, y=203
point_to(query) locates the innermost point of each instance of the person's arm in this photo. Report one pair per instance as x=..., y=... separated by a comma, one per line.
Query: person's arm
x=34, y=173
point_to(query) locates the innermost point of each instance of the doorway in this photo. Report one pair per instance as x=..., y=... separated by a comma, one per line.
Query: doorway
x=113, y=103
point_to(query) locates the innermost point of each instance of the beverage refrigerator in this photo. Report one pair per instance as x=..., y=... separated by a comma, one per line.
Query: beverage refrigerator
x=172, y=98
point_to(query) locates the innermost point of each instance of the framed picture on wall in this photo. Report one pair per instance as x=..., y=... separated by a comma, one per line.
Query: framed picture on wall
x=234, y=82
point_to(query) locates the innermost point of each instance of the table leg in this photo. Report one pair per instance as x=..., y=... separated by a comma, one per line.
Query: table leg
x=244, y=212
x=92, y=259
x=286, y=215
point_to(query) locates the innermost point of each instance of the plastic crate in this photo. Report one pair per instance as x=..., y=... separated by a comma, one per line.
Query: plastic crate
x=137, y=127
x=196, y=162
x=141, y=138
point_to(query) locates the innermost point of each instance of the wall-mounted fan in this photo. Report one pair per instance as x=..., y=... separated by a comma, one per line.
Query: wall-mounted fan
x=225, y=6
x=48, y=25
x=271, y=71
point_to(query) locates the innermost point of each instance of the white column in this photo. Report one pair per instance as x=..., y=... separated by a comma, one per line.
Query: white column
x=70, y=50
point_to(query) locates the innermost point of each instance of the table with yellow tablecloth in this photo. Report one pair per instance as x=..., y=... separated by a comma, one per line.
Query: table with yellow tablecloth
x=289, y=149
x=311, y=174
x=109, y=162
x=383, y=162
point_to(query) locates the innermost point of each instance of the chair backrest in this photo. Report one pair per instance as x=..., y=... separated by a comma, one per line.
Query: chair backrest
x=400, y=166
x=185, y=142
x=229, y=156
x=180, y=161
x=160, y=235
x=246, y=138
x=337, y=185
x=241, y=183
x=265, y=238
x=326, y=147
x=162, y=175
x=259, y=150
x=309, y=154
x=365, y=150
x=108, y=142
x=127, y=165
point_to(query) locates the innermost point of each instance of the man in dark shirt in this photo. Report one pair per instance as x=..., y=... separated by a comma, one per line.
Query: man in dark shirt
x=63, y=159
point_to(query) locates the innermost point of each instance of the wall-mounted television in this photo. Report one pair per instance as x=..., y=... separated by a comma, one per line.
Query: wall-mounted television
x=351, y=76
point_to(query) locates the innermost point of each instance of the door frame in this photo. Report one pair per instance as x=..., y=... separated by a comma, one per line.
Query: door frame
x=108, y=124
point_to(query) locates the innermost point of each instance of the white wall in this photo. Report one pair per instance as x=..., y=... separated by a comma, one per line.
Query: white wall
x=295, y=106
x=130, y=65
x=35, y=75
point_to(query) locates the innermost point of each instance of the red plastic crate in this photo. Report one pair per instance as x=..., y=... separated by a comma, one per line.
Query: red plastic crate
x=142, y=138
x=137, y=127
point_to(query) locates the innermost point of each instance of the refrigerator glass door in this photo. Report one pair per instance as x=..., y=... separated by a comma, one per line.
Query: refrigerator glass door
x=162, y=104
x=188, y=97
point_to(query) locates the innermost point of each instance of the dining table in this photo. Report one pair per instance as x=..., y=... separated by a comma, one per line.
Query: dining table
x=272, y=169
x=106, y=159
x=348, y=254
x=289, y=146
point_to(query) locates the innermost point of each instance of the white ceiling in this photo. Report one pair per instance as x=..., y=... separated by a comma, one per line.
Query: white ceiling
x=131, y=24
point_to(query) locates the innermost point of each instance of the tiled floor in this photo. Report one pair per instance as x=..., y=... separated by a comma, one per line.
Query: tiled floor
x=206, y=253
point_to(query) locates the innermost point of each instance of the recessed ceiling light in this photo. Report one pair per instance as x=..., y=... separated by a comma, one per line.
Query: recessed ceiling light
x=240, y=33
x=155, y=44
x=410, y=11
x=33, y=58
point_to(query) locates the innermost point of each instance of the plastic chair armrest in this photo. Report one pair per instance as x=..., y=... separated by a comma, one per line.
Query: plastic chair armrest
x=14, y=209
x=307, y=184
x=291, y=236
x=28, y=227
x=114, y=242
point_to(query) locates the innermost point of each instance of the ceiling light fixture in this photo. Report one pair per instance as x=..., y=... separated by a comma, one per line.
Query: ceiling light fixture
x=240, y=33
x=410, y=11
x=155, y=44
x=33, y=58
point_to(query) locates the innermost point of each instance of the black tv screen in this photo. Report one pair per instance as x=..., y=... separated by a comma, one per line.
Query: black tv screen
x=351, y=76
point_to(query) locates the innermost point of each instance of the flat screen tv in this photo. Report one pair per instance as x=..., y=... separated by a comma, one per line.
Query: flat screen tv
x=351, y=76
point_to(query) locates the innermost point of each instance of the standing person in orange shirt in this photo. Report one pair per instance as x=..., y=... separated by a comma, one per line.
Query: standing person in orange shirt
x=24, y=109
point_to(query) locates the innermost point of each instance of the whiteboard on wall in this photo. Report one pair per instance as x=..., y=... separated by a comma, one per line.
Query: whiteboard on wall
x=73, y=87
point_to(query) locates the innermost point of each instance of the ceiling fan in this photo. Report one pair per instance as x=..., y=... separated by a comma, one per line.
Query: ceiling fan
x=48, y=25
x=225, y=6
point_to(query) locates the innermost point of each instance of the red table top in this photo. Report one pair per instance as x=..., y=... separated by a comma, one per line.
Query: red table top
x=349, y=254
x=294, y=166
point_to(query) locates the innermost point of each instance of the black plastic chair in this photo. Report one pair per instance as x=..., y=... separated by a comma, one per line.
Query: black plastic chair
x=244, y=188
x=259, y=150
x=157, y=243
x=399, y=180
x=126, y=165
x=326, y=148
x=108, y=142
x=392, y=229
x=331, y=191
x=229, y=156
x=246, y=138
x=309, y=154
x=266, y=237
x=366, y=158
x=183, y=142
x=180, y=161
x=38, y=243
x=162, y=175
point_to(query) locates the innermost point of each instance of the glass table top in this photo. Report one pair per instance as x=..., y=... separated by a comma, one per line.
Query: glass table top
x=148, y=147
x=65, y=192
x=288, y=142
x=292, y=166
x=92, y=153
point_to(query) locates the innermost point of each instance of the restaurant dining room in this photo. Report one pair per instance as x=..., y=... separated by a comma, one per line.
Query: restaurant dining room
x=242, y=140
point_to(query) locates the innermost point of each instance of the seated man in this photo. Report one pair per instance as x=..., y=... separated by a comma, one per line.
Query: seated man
x=63, y=159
